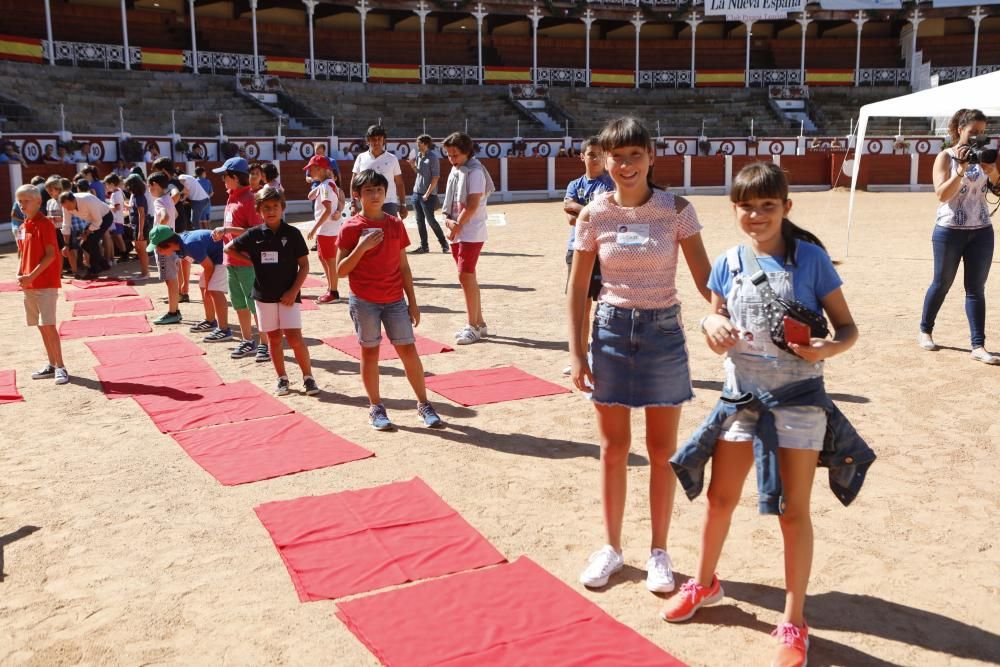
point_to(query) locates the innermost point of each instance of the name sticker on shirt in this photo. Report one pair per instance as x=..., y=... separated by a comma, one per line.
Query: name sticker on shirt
x=635, y=234
x=269, y=257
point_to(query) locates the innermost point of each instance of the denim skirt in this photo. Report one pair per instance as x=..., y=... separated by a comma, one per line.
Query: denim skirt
x=639, y=358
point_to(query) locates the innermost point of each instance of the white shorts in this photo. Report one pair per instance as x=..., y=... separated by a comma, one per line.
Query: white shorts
x=274, y=316
x=799, y=427
x=220, y=280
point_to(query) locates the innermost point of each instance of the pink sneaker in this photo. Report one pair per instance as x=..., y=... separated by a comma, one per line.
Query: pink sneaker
x=793, y=645
x=690, y=598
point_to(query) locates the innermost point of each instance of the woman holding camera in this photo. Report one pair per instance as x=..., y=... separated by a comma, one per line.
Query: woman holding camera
x=962, y=231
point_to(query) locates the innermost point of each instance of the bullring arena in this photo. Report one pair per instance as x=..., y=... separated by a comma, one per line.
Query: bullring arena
x=121, y=544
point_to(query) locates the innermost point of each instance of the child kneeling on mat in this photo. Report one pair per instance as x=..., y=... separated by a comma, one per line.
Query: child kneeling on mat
x=371, y=250
x=280, y=259
x=199, y=246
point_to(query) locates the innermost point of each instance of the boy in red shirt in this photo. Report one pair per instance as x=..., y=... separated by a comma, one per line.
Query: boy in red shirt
x=38, y=276
x=371, y=252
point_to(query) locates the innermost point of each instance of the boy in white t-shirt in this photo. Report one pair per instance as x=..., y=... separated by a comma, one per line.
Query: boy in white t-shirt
x=327, y=205
x=165, y=213
x=381, y=161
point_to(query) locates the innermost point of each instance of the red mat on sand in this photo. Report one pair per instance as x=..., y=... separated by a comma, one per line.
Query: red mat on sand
x=493, y=385
x=112, y=306
x=265, y=448
x=349, y=345
x=308, y=304
x=312, y=281
x=358, y=541
x=167, y=377
x=112, y=292
x=8, y=388
x=100, y=282
x=143, y=348
x=211, y=406
x=104, y=326
x=10, y=286
x=511, y=615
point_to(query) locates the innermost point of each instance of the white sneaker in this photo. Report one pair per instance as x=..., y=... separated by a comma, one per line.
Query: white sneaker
x=483, y=331
x=601, y=565
x=568, y=370
x=467, y=336
x=925, y=341
x=62, y=376
x=659, y=572
x=980, y=354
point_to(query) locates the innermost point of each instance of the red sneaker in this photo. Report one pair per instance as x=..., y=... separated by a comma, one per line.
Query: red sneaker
x=691, y=597
x=326, y=298
x=793, y=645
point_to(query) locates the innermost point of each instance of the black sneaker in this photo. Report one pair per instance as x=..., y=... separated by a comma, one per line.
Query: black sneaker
x=310, y=385
x=446, y=249
x=185, y=298
x=422, y=250
x=204, y=325
x=282, y=388
x=262, y=354
x=47, y=372
x=244, y=349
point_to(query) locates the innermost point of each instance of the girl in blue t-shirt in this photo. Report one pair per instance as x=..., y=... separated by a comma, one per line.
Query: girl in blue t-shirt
x=799, y=268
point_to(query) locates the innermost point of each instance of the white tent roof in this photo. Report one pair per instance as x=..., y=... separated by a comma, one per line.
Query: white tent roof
x=980, y=92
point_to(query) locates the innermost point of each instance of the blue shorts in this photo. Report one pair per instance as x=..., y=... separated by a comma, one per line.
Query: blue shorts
x=639, y=358
x=201, y=210
x=369, y=318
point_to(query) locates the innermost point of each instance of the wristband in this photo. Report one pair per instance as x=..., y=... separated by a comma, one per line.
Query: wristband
x=701, y=324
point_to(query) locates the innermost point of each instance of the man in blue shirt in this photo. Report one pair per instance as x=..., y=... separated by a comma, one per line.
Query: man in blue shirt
x=198, y=247
x=579, y=193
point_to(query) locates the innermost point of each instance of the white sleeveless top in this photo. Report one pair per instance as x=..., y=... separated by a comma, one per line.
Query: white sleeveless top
x=967, y=209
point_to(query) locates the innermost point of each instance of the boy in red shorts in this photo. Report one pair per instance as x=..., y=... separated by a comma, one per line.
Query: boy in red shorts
x=327, y=206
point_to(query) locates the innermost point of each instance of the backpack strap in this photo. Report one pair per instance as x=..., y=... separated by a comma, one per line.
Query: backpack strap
x=757, y=275
x=733, y=260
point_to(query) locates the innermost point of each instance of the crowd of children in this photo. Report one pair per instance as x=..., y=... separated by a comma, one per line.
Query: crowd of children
x=627, y=238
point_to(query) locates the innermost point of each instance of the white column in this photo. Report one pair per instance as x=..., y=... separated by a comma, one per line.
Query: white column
x=362, y=9
x=637, y=24
x=858, y=20
x=48, y=31
x=128, y=65
x=915, y=19
x=687, y=174
x=480, y=15
x=253, y=23
x=588, y=19
x=534, y=16
x=728, y=168
x=422, y=12
x=977, y=18
x=746, y=72
x=194, y=39
x=804, y=22
x=310, y=16
x=694, y=22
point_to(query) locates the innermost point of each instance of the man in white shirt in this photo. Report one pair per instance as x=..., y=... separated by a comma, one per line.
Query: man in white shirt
x=385, y=163
x=197, y=196
x=99, y=219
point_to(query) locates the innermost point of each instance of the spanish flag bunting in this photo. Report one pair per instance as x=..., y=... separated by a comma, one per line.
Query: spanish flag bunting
x=393, y=72
x=20, y=48
x=507, y=75
x=719, y=78
x=830, y=77
x=162, y=59
x=607, y=77
x=290, y=67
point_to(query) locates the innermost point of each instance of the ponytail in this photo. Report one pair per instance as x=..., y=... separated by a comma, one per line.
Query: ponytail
x=791, y=234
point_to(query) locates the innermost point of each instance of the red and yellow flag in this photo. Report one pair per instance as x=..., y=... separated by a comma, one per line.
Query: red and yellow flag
x=290, y=67
x=393, y=73
x=719, y=78
x=830, y=77
x=611, y=77
x=169, y=60
x=507, y=75
x=20, y=48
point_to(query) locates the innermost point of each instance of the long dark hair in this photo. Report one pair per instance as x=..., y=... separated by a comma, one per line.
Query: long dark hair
x=627, y=131
x=766, y=180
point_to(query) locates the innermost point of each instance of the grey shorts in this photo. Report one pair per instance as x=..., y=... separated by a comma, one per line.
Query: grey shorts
x=40, y=306
x=168, y=266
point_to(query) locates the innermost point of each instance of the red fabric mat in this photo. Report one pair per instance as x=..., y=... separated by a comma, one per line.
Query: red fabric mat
x=516, y=614
x=168, y=377
x=211, y=406
x=104, y=326
x=492, y=385
x=308, y=304
x=112, y=306
x=359, y=541
x=8, y=388
x=11, y=286
x=349, y=345
x=312, y=281
x=265, y=448
x=112, y=292
x=143, y=348
x=100, y=282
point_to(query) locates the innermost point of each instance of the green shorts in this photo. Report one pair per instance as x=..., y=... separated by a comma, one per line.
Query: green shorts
x=241, y=287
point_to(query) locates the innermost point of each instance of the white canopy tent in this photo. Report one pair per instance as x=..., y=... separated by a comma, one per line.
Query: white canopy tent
x=980, y=92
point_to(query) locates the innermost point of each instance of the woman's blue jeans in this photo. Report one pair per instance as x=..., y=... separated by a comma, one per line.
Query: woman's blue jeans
x=952, y=246
x=424, y=210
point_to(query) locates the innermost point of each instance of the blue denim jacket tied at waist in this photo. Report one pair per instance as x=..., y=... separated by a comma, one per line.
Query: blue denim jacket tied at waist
x=845, y=453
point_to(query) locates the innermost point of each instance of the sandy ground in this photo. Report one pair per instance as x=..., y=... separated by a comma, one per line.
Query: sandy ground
x=118, y=549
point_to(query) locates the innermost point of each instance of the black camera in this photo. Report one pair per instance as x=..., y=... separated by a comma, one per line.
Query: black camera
x=978, y=153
